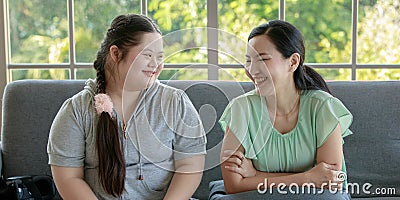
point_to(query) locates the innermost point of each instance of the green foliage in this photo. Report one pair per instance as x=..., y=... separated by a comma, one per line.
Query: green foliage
x=40, y=35
x=56, y=74
x=236, y=19
x=92, y=18
x=380, y=40
x=174, y=15
x=326, y=26
x=180, y=21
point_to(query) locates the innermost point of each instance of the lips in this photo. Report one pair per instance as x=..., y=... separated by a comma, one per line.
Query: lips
x=150, y=73
x=259, y=80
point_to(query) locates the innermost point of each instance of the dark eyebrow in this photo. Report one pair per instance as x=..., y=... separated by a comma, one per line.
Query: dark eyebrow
x=260, y=54
x=264, y=54
x=153, y=51
x=144, y=50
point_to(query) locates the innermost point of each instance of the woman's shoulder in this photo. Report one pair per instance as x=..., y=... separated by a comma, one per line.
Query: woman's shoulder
x=246, y=97
x=88, y=92
x=318, y=95
x=245, y=102
x=84, y=98
x=169, y=91
x=319, y=99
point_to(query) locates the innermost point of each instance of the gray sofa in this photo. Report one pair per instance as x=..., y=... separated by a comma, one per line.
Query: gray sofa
x=372, y=153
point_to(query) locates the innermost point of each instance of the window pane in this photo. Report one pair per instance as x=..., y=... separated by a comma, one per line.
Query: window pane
x=238, y=74
x=236, y=18
x=85, y=73
x=233, y=75
x=183, y=74
x=56, y=74
x=189, y=55
x=38, y=34
x=92, y=18
x=178, y=21
x=343, y=74
x=326, y=27
x=378, y=74
x=328, y=74
x=232, y=49
x=378, y=39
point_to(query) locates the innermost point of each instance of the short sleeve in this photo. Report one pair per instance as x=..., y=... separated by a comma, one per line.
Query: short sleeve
x=331, y=113
x=66, y=144
x=236, y=116
x=190, y=138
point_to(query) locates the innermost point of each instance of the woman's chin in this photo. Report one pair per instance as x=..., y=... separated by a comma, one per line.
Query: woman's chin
x=150, y=81
x=138, y=85
x=266, y=92
x=135, y=87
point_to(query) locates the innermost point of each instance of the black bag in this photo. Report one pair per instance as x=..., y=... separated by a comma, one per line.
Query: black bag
x=27, y=188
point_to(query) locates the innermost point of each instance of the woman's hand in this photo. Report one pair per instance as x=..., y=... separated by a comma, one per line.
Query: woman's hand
x=325, y=176
x=238, y=163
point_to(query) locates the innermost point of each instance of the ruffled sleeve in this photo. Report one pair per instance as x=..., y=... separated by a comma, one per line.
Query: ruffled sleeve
x=236, y=116
x=331, y=113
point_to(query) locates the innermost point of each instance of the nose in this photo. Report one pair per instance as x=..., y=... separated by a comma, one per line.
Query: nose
x=153, y=62
x=252, y=68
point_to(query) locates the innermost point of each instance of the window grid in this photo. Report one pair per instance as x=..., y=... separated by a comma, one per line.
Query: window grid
x=71, y=31
x=4, y=78
x=212, y=40
x=354, y=24
x=212, y=66
x=282, y=9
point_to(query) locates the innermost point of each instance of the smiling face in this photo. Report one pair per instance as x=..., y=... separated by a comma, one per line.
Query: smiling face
x=266, y=65
x=143, y=63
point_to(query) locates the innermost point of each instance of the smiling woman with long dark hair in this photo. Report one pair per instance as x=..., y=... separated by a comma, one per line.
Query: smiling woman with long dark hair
x=289, y=129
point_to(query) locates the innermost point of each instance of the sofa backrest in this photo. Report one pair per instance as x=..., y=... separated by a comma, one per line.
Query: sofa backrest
x=210, y=99
x=372, y=153
x=29, y=107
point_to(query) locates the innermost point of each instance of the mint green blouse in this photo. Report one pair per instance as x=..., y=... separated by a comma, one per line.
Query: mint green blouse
x=247, y=117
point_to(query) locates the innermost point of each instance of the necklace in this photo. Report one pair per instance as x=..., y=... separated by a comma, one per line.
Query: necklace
x=293, y=107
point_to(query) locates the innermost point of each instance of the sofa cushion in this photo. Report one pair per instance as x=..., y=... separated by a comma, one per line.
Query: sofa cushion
x=210, y=99
x=372, y=153
x=28, y=111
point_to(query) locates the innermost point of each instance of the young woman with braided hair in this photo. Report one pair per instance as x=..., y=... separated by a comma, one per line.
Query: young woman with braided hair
x=126, y=135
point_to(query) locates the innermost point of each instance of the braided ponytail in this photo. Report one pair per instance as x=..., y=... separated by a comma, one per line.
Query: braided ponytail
x=109, y=149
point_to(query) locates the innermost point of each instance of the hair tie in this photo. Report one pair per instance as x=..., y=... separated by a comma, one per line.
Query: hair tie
x=103, y=103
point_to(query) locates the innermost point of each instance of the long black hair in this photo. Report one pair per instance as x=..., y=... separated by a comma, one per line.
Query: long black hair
x=125, y=31
x=288, y=40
